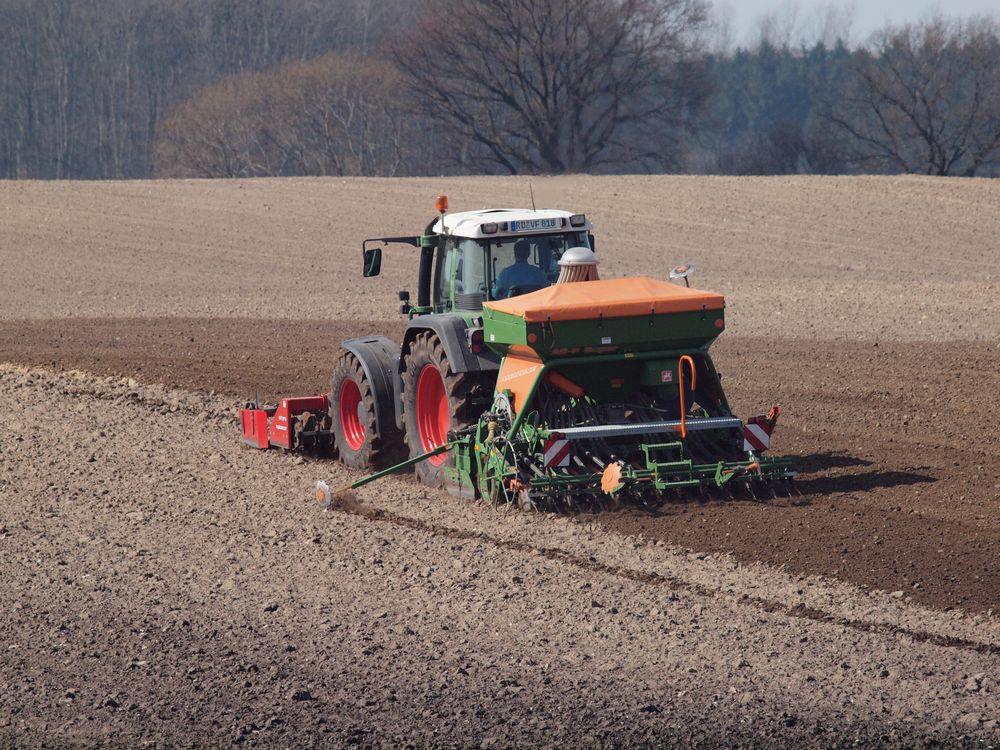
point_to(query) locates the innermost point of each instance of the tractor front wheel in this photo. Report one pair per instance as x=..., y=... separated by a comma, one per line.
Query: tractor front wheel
x=352, y=413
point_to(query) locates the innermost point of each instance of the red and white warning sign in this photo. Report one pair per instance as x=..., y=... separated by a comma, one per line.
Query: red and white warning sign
x=666, y=376
x=556, y=452
x=757, y=434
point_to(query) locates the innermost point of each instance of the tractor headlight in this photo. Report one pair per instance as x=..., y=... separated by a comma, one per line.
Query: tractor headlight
x=577, y=220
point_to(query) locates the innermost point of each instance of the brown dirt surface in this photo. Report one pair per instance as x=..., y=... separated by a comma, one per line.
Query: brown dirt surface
x=167, y=585
x=898, y=491
x=903, y=258
x=230, y=356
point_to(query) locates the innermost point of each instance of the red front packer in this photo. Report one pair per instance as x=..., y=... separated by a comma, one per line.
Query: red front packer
x=301, y=422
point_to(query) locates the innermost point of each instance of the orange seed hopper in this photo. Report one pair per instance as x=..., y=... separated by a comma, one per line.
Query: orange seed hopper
x=609, y=298
x=633, y=315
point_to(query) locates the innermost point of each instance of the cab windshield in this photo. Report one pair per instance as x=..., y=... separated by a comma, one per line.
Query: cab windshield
x=471, y=271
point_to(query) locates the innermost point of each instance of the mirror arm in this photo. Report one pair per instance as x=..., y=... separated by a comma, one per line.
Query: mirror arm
x=414, y=241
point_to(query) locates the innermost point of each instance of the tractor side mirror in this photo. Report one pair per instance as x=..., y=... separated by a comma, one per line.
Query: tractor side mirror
x=373, y=261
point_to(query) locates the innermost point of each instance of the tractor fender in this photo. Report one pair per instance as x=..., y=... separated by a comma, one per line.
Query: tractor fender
x=379, y=357
x=451, y=330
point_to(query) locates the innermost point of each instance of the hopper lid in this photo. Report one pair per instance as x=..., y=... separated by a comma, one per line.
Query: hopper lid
x=610, y=298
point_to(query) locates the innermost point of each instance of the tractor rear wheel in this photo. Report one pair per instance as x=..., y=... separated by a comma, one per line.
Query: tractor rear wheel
x=436, y=400
x=352, y=413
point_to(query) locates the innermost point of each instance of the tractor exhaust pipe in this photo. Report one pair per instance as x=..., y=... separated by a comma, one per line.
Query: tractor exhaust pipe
x=427, y=258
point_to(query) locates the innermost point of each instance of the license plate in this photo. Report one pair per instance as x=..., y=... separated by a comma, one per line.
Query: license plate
x=530, y=225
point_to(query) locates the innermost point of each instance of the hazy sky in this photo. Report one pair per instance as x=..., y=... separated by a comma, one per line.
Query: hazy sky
x=865, y=17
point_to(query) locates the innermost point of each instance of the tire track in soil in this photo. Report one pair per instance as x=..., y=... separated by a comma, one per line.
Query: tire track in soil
x=347, y=502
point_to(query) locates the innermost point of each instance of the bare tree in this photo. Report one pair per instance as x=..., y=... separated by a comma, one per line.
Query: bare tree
x=84, y=82
x=335, y=115
x=211, y=134
x=830, y=24
x=788, y=27
x=926, y=99
x=779, y=27
x=719, y=37
x=560, y=86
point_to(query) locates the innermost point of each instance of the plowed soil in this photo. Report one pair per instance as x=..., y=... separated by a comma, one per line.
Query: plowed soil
x=166, y=585
x=899, y=467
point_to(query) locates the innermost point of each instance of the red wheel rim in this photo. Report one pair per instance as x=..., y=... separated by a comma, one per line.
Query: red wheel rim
x=433, y=418
x=350, y=418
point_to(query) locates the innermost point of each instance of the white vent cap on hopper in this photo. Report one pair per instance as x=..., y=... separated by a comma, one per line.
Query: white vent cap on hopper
x=577, y=264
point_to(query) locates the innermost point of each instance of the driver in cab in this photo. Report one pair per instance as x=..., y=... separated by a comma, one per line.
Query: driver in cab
x=520, y=274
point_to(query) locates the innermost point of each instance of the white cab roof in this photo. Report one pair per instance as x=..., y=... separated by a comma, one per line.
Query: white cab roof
x=469, y=223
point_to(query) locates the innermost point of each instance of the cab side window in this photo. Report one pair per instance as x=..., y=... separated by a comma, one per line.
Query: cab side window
x=460, y=280
x=444, y=272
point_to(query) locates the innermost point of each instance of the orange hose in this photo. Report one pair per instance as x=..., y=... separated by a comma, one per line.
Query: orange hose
x=564, y=384
x=680, y=383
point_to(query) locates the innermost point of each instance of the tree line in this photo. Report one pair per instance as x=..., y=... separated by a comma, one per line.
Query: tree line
x=233, y=88
x=86, y=84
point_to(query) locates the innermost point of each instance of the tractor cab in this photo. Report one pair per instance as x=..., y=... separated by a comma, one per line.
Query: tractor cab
x=472, y=257
x=500, y=253
x=471, y=270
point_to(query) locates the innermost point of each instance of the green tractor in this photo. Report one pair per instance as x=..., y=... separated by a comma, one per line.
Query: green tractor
x=442, y=378
x=525, y=379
